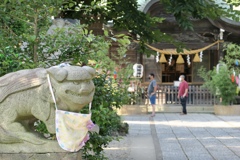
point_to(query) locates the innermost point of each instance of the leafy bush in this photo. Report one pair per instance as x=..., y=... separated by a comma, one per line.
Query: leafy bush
x=31, y=50
x=219, y=84
x=232, y=57
x=107, y=95
x=11, y=60
x=223, y=84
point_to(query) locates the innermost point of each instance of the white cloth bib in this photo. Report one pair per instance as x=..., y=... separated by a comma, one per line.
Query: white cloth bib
x=72, y=129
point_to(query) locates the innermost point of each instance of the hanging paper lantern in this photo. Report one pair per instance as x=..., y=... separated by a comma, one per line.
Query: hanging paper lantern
x=196, y=58
x=180, y=59
x=162, y=59
x=138, y=70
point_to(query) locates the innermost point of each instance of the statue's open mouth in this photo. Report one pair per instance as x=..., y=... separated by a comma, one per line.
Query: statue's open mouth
x=83, y=93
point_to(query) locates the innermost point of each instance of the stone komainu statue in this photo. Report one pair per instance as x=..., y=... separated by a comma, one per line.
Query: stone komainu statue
x=25, y=97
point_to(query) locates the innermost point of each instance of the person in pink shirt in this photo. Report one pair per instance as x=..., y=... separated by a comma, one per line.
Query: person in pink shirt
x=183, y=94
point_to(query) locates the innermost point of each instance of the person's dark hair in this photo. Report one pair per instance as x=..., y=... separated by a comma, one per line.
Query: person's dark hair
x=152, y=75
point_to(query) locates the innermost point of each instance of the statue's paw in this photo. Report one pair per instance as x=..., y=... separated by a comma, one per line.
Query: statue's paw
x=51, y=129
x=8, y=137
x=32, y=138
x=37, y=141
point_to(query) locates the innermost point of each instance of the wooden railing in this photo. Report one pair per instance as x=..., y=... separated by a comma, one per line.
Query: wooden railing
x=167, y=95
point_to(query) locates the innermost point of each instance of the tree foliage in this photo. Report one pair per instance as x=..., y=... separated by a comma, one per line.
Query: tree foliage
x=125, y=16
x=185, y=10
x=25, y=20
x=232, y=57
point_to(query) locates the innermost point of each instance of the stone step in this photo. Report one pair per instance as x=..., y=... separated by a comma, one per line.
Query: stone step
x=145, y=109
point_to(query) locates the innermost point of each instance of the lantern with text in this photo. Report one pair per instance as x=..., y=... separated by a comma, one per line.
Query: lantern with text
x=137, y=70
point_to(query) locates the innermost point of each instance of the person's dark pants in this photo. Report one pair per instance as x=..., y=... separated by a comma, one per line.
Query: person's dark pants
x=184, y=104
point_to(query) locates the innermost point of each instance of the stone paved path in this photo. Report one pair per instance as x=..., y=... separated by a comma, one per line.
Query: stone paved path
x=176, y=137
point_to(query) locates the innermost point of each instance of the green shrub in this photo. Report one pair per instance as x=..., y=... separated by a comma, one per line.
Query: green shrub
x=12, y=60
x=108, y=95
x=219, y=84
x=78, y=49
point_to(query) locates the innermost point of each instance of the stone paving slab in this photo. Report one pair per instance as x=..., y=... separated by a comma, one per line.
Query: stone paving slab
x=170, y=136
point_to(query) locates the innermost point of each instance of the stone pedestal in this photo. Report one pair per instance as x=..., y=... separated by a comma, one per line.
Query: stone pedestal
x=27, y=151
x=132, y=110
x=231, y=110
